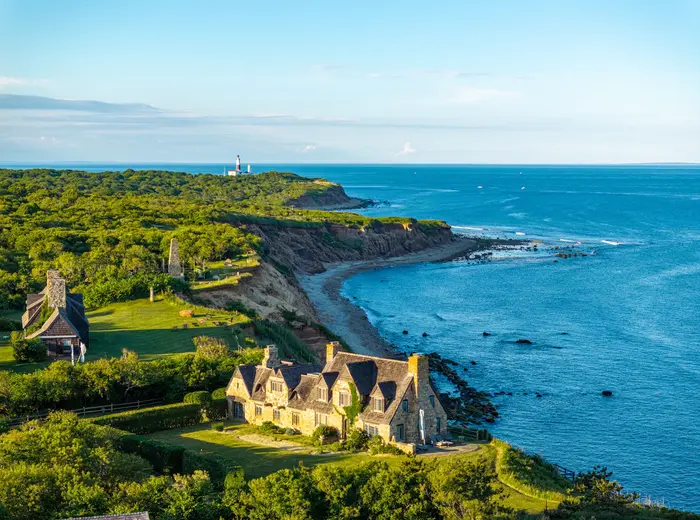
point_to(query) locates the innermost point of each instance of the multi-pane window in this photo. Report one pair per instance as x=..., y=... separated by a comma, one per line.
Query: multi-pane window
x=277, y=386
x=399, y=432
x=371, y=430
x=258, y=410
x=344, y=398
x=295, y=419
x=320, y=418
x=378, y=404
x=404, y=405
x=432, y=400
x=275, y=414
x=322, y=394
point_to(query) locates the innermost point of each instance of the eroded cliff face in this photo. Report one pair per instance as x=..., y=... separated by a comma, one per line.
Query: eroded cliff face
x=305, y=251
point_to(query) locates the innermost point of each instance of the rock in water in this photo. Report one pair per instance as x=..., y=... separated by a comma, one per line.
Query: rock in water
x=405, y=331
x=524, y=342
x=485, y=333
x=425, y=334
x=607, y=393
x=473, y=362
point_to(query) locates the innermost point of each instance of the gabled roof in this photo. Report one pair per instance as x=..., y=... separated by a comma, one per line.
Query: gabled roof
x=291, y=374
x=303, y=390
x=74, y=314
x=58, y=320
x=247, y=374
x=402, y=387
x=328, y=378
x=363, y=374
x=386, y=388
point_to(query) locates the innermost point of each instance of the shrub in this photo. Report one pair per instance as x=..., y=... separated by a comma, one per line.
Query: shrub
x=27, y=350
x=217, y=410
x=323, y=432
x=217, y=426
x=192, y=461
x=270, y=428
x=154, y=419
x=219, y=393
x=210, y=347
x=165, y=458
x=356, y=440
x=377, y=445
x=201, y=397
x=119, y=289
x=9, y=325
x=292, y=431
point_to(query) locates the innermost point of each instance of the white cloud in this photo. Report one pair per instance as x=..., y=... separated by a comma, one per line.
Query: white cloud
x=308, y=148
x=470, y=95
x=407, y=149
x=8, y=81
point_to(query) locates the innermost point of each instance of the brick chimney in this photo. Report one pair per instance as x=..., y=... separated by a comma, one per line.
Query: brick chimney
x=332, y=350
x=271, y=358
x=55, y=290
x=419, y=368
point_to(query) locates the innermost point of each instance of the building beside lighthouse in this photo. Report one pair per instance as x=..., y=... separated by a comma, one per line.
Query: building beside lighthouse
x=238, y=170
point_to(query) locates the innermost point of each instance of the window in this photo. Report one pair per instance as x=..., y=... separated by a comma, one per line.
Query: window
x=437, y=424
x=258, y=410
x=432, y=400
x=322, y=394
x=404, y=405
x=399, y=432
x=236, y=385
x=277, y=386
x=295, y=419
x=371, y=430
x=320, y=418
x=275, y=414
x=378, y=404
x=344, y=398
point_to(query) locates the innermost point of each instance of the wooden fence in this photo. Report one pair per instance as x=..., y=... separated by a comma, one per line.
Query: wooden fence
x=565, y=472
x=469, y=434
x=100, y=409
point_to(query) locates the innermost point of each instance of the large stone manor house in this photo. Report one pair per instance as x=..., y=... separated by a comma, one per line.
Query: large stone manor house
x=397, y=399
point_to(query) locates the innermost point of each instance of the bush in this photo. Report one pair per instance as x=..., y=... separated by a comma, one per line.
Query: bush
x=217, y=410
x=270, y=428
x=192, y=461
x=201, y=397
x=9, y=325
x=377, y=445
x=292, y=431
x=323, y=432
x=165, y=458
x=217, y=426
x=219, y=393
x=99, y=294
x=27, y=350
x=154, y=419
x=356, y=440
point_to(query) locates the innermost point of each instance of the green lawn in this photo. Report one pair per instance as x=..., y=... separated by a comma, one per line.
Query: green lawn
x=258, y=460
x=144, y=327
x=147, y=328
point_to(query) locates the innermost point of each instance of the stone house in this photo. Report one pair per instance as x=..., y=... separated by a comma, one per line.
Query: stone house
x=57, y=317
x=390, y=398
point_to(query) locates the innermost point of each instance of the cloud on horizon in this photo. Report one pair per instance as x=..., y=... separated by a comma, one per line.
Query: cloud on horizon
x=407, y=149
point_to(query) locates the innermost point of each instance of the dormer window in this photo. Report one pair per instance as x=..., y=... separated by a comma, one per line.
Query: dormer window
x=277, y=386
x=378, y=404
x=322, y=394
x=344, y=398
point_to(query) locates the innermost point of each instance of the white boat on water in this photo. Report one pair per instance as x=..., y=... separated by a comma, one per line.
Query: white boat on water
x=479, y=187
x=520, y=233
x=611, y=242
x=522, y=188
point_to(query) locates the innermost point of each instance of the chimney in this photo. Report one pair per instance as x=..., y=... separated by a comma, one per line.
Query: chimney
x=271, y=358
x=332, y=349
x=419, y=368
x=55, y=290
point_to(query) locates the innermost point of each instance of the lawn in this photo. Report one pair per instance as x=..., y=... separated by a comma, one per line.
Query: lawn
x=144, y=327
x=148, y=328
x=258, y=460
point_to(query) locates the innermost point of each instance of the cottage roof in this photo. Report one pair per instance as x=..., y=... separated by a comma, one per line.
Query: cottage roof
x=247, y=374
x=328, y=378
x=302, y=391
x=291, y=374
x=57, y=324
x=74, y=314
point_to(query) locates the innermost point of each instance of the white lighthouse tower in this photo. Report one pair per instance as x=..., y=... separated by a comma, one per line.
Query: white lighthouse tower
x=237, y=171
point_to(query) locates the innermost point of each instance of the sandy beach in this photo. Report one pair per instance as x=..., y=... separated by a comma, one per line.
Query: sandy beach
x=349, y=321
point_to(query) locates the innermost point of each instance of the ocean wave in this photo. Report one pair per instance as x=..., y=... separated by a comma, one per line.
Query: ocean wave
x=469, y=228
x=517, y=215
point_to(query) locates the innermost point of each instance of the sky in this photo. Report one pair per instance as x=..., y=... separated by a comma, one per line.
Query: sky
x=497, y=81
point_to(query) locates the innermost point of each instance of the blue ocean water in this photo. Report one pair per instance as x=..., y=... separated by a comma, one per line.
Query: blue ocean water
x=631, y=311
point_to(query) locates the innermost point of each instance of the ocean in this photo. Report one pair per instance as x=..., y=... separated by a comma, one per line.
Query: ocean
x=624, y=318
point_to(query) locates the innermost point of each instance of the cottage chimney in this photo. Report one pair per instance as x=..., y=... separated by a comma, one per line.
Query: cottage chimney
x=419, y=368
x=332, y=350
x=271, y=358
x=55, y=290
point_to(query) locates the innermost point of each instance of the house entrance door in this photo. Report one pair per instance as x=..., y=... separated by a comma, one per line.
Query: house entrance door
x=344, y=433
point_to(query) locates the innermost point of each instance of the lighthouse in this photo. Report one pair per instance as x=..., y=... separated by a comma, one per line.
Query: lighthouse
x=237, y=171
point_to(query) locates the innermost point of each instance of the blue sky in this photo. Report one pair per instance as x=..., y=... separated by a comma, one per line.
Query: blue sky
x=494, y=81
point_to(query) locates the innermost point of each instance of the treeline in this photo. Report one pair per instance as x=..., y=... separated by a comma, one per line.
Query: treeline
x=126, y=378
x=97, y=226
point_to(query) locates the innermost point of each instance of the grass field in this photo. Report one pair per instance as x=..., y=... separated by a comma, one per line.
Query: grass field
x=258, y=460
x=144, y=327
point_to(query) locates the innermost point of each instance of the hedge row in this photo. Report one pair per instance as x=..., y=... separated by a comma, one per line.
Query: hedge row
x=149, y=420
x=192, y=461
x=164, y=457
x=217, y=410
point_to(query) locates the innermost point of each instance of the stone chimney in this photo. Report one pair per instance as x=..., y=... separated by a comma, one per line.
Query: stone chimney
x=55, y=290
x=332, y=350
x=174, y=266
x=419, y=368
x=271, y=358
